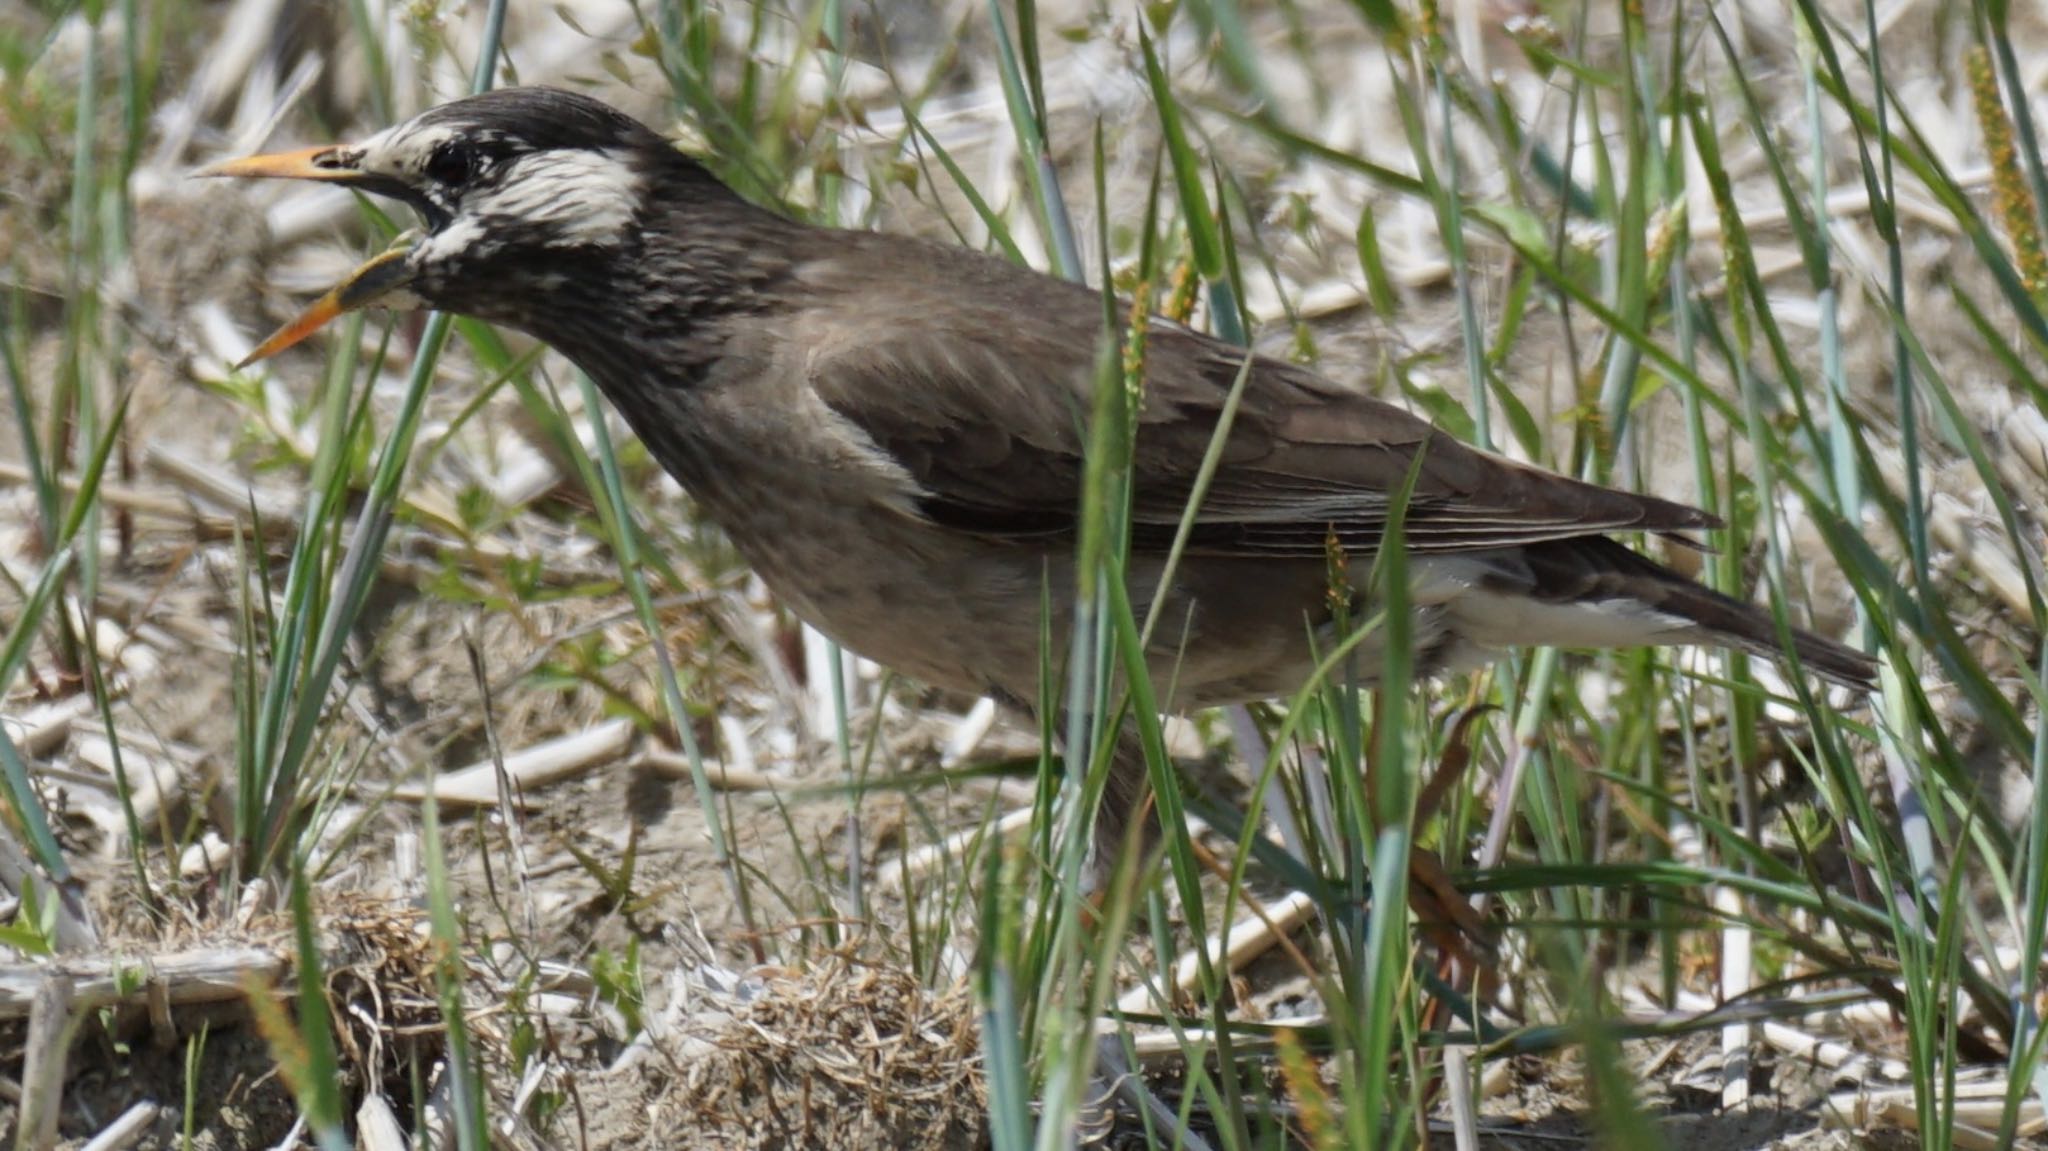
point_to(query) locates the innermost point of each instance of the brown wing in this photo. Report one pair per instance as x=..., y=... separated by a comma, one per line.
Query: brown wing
x=987, y=414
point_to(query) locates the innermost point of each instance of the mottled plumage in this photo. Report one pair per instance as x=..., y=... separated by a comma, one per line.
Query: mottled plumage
x=891, y=431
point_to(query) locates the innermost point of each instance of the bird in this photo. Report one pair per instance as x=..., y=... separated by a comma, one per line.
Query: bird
x=893, y=432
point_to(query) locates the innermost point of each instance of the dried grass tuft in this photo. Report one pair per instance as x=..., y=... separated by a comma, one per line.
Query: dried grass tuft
x=839, y=1054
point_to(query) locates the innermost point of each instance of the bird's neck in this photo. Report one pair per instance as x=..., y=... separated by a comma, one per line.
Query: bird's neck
x=652, y=322
x=655, y=312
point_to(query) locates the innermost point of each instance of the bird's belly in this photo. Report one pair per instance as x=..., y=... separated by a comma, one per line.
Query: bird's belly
x=1235, y=630
x=968, y=613
x=944, y=609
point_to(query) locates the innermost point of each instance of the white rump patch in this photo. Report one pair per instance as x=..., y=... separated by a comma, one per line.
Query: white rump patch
x=1499, y=620
x=1504, y=621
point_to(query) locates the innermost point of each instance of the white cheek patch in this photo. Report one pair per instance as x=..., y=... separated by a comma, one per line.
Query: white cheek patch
x=464, y=237
x=567, y=198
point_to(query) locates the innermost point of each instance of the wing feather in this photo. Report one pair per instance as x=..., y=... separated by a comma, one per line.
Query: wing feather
x=988, y=416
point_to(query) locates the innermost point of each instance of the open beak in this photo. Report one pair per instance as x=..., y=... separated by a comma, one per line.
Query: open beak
x=376, y=280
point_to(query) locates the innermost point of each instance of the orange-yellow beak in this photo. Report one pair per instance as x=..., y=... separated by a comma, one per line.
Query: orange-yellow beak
x=328, y=162
x=375, y=280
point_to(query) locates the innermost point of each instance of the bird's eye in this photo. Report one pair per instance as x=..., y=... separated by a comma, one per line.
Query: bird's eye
x=451, y=163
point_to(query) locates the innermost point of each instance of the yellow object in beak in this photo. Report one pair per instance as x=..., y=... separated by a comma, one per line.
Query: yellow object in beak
x=375, y=280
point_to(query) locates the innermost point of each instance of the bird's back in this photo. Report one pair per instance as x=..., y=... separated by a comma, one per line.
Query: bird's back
x=955, y=404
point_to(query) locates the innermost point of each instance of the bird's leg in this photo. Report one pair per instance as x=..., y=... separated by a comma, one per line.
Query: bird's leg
x=1121, y=819
x=1124, y=822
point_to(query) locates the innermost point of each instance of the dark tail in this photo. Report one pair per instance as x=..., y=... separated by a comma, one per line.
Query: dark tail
x=1595, y=569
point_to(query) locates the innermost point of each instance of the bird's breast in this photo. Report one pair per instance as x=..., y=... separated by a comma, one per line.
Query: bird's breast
x=834, y=532
x=938, y=606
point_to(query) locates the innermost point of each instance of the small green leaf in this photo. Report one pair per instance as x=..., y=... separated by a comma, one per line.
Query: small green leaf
x=1379, y=287
x=1443, y=409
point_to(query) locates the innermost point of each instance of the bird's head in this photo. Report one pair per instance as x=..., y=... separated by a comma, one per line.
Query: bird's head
x=517, y=189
